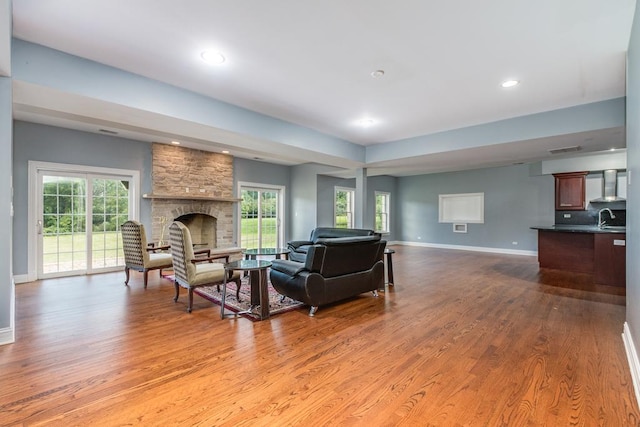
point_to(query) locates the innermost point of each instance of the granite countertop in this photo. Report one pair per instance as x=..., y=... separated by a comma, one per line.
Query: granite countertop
x=567, y=228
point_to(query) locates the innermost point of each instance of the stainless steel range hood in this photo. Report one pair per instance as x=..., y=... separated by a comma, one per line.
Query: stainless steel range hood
x=609, y=187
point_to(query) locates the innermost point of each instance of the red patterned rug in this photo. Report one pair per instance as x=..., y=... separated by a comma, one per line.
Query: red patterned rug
x=232, y=304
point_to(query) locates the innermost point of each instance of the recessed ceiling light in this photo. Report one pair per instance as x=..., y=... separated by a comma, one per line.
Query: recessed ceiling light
x=225, y=151
x=175, y=142
x=510, y=83
x=212, y=57
x=377, y=74
x=366, y=122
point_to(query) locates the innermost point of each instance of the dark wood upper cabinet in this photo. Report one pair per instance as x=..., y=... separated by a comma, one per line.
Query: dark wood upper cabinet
x=570, y=191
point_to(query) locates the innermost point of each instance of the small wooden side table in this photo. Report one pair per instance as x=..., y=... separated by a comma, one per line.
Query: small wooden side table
x=257, y=280
x=388, y=253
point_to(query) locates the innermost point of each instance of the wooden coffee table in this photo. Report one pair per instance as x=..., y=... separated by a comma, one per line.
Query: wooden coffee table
x=257, y=280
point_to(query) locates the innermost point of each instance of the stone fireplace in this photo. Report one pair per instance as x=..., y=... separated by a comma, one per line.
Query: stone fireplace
x=196, y=188
x=202, y=228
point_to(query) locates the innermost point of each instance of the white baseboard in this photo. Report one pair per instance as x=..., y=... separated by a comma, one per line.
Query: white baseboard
x=22, y=278
x=632, y=357
x=7, y=336
x=471, y=248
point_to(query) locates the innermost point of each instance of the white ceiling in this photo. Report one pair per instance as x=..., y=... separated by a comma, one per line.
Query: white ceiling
x=310, y=62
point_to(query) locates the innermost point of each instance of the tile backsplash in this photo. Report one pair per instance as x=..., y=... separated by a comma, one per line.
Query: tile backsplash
x=590, y=216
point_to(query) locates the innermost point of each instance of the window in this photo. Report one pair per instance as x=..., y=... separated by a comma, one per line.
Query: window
x=344, y=204
x=382, y=211
x=261, y=216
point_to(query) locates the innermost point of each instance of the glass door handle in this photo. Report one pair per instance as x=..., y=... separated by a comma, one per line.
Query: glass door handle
x=39, y=227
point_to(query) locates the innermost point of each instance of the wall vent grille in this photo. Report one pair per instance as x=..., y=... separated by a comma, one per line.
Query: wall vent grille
x=565, y=149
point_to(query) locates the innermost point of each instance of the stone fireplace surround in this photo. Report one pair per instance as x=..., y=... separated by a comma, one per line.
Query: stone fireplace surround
x=196, y=186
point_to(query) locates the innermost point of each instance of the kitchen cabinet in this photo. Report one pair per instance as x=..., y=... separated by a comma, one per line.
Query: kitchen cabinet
x=591, y=250
x=610, y=259
x=570, y=191
x=566, y=251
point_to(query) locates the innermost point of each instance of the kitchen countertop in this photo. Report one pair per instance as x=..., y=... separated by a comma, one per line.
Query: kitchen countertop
x=567, y=228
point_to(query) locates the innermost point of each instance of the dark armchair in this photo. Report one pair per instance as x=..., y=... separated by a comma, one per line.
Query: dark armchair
x=334, y=270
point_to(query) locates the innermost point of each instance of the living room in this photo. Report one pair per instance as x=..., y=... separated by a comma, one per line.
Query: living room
x=516, y=196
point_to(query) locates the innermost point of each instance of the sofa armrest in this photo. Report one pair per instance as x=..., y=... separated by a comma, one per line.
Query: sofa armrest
x=290, y=268
x=295, y=244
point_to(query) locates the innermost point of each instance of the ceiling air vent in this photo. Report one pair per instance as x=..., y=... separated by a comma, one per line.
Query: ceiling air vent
x=110, y=132
x=565, y=149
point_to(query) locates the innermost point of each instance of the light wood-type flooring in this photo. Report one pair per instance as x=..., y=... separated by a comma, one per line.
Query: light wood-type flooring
x=462, y=339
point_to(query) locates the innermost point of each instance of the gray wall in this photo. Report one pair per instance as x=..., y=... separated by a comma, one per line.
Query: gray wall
x=514, y=201
x=327, y=184
x=633, y=196
x=326, y=193
x=387, y=184
x=53, y=144
x=304, y=198
x=58, y=145
x=6, y=275
x=303, y=215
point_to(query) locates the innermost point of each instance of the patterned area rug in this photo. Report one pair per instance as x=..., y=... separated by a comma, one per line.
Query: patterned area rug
x=231, y=303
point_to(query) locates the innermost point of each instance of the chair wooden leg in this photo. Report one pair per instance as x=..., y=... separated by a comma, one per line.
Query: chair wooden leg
x=146, y=278
x=175, y=299
x=189, y=307
x=238, y=284
x=126, y=276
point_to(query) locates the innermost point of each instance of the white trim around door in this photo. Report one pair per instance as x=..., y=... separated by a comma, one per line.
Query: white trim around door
x=35, y=168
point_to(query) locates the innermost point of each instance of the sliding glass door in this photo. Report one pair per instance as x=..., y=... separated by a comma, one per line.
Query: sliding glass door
x=260, y=217
x=78, y=222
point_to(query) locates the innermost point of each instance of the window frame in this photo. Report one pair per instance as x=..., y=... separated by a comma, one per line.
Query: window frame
x=387, y=223
x=350, y=206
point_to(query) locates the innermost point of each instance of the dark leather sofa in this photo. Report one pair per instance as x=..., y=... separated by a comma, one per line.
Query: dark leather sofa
x=299, y=248
x=335, y=269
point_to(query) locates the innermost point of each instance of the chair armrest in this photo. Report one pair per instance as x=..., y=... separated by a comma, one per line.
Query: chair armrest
x=151, y=247
x=200, y=252
x=290, y=268
x=295, y=244
x=210, y=259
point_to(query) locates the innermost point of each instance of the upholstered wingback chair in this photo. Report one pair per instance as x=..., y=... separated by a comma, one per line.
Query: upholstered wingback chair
x=191, y=272
x=137, y=253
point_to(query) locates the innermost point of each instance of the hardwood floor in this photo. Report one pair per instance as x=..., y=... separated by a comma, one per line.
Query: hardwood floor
x=463, y=339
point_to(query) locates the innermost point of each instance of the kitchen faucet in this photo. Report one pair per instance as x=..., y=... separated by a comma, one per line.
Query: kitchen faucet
x=601, y=222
